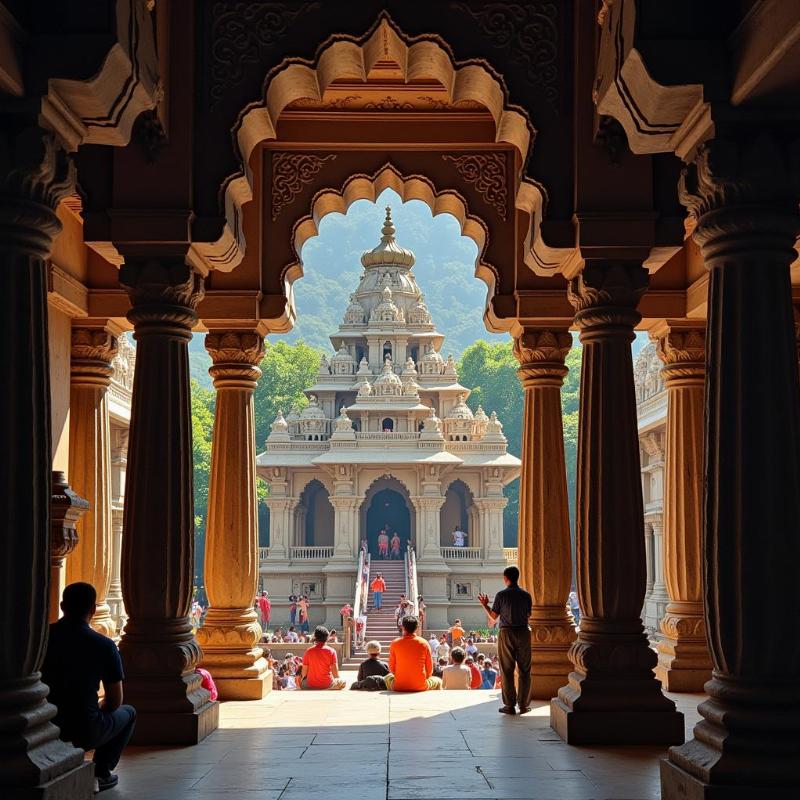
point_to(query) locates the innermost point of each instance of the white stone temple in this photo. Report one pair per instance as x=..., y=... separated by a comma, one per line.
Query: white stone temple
x=386, y=439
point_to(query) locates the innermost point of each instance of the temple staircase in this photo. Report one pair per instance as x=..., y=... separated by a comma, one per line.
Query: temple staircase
x=381, y=624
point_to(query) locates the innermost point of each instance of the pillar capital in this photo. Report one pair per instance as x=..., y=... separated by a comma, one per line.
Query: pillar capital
x=93, y=350
x=605, y=295
x=236, y=356
x=681, y=346
x=746, y=182
x=541, y=353
x=164, y=294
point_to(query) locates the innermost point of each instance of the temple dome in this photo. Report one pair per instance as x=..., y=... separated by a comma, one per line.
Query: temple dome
x=342, y=363
x=312, y=410
x=355, y=314
x=387, y=383
x=386, y=310
x=419, y=314
x=388, y=251
x=461, y=410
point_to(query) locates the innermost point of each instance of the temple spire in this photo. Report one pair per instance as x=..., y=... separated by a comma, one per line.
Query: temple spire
x=388, y=230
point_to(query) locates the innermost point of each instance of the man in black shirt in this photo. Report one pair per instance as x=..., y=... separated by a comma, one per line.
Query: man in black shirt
x=512, y=606
x=78, y=659
x=372, y=668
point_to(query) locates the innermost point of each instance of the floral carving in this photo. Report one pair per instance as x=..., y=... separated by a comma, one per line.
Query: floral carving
x=236, y=355
x=541, y=355
x=161, y=291
x=486, y=172
x=93, y=345
x=528, y=32
x=290, y=172
x=241, y=32
x=389, y=103
x=683, y=352
x=607, y=294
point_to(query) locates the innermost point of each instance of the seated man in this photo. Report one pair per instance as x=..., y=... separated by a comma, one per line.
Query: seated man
x=77, y=660
x=372, y=670
x=410, y=662
x=457, y=675
x=320, y=665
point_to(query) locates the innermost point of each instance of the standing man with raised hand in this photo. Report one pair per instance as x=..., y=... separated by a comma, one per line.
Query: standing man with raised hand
x=512, y=606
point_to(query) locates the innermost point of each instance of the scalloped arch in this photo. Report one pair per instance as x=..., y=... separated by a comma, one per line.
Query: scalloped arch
x=342, y=58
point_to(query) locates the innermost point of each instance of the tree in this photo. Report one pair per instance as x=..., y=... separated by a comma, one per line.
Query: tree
x=490, y=371
x=203, y=402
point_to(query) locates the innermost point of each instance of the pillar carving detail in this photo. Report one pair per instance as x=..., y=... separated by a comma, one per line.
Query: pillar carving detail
x=35, y=174
x=119, y=460
x=158, y=647
x=231, y=634
x=66, y=508
x=612, y=695
x=684, y=663
x=544, y=535
x=90, y=463
x=742, y=190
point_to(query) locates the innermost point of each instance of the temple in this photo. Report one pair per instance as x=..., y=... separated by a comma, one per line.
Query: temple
x=386, y=441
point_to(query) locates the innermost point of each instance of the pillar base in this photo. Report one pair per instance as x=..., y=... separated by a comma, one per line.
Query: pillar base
x=550, y=663
x=77, y=784
x=255, y=688
x=615, y=727
x=176, y=727
x=682, y=679
x=684, y=663
x=677, y=784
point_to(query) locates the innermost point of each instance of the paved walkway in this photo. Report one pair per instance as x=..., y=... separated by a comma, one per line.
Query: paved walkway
x=377, y=746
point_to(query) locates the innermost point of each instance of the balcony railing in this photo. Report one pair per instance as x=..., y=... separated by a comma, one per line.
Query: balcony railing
x=263, y=553
x=311, y=553
x=511, y=554
x=461, y=553
x=370, y=436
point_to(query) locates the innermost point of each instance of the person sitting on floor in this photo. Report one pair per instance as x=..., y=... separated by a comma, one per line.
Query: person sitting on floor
x=320, y=665
x=372, y=671
x=477, y=678
x=457, y=675
x=410, y=662
x=489, y=675
x=438, y=667
x=78, y=659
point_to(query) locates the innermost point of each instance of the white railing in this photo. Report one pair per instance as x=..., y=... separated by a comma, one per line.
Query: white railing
x=412, y=587
x=461, y=553
x=263, y=553
x=369, y=436
x=359, y=603
x=311, y=553
x=511, y=555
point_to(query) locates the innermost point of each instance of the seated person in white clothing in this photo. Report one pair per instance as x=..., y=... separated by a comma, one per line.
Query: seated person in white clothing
x=458, y=675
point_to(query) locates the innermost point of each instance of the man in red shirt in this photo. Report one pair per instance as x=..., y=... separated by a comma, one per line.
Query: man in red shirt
x=320, y=665
x=410, y=663
x=264, y=609
x=378, y=587
x=477, y=678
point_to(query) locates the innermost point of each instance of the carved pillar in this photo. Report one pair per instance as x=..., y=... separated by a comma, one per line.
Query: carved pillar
x=544, y=536
x=158, y=648
x=345, y=521
x=743, y=193
x=119, y=460
x=613, y=696
x=66, y=508
x=231, y=632
x=34, y=176
x=93, y=348
x=684, y=663
x=648, y=552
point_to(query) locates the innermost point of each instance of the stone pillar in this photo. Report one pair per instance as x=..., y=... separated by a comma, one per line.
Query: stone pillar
x=34, y=176
x=231, y=633
x=345, y=522
x=490, y=513
x=613, y=697
x=158, y=648
x=282, y=526
x=119, y=460
x=544, y=544
x=433, y=573
x=684, y=663
x=742, y=190
x=66, y=508
x=649, y=557
x=93, y=348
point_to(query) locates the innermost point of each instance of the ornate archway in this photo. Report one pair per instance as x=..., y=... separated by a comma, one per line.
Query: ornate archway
x=387, y=505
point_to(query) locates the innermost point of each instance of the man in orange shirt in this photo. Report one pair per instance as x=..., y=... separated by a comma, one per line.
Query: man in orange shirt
x=378, y=587
x=457, y=633
x=410, y=663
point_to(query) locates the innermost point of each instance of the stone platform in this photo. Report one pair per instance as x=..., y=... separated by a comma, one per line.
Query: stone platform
x=376, y=746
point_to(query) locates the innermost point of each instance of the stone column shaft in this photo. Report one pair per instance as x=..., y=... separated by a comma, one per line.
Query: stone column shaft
x=613, y=696
x=158, y=648
x=544, y=537
x=684, y=663
x=742, y=189
x=34, y=175
x=93, y=348
x=648, y=551
x=231, y=633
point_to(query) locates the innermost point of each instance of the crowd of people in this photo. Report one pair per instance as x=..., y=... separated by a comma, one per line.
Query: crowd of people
x=79, y=660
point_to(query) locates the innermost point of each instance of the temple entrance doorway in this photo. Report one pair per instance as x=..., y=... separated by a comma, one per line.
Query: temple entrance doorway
x=387, y=508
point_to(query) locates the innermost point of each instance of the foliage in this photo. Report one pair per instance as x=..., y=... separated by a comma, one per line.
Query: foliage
x=490, y=371
x=202, y=428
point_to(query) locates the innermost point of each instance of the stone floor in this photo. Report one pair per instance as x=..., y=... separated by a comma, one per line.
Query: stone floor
x=377, y=746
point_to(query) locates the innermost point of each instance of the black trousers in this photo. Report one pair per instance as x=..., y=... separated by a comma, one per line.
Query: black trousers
x=107, y=734
x=514, y=653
